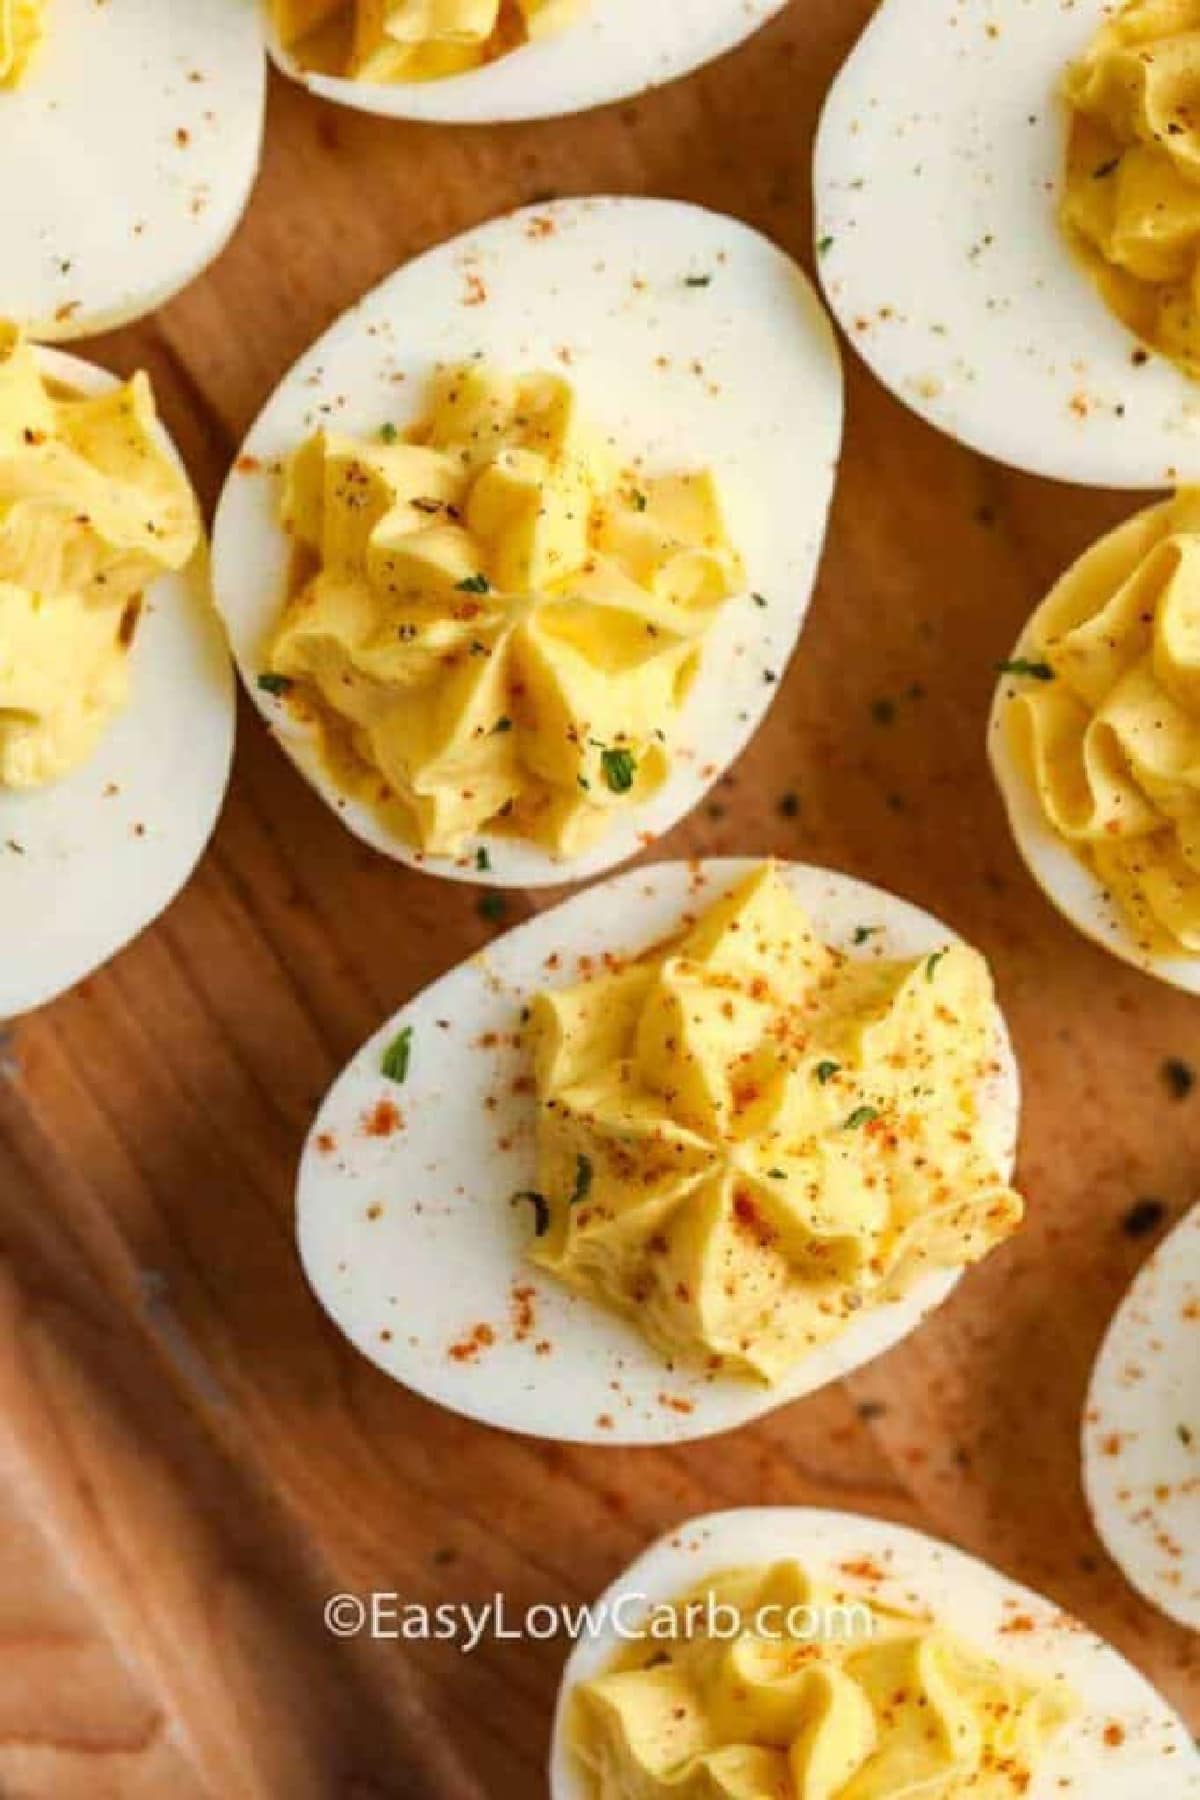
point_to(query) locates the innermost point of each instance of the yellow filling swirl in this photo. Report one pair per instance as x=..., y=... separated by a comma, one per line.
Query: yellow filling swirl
x=92, y=509
x=413, y=40
x=765, y=1684
x=494, y=626
x=1132, y=201
x=1107, y=718
x=22, y=27
x=747, y=1137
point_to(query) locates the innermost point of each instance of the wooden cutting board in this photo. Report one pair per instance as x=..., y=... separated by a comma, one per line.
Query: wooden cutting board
x=194, y=1458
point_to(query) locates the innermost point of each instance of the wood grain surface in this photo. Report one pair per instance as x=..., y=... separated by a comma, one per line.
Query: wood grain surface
x=193, y=1456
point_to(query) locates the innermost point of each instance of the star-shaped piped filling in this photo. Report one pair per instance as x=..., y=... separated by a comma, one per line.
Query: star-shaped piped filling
x=745, y=1141
x=496, y=617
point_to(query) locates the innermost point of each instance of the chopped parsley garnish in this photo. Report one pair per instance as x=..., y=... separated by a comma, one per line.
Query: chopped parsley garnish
x=698, y=281
x=1021, y=665
x=777, y=1174
x=931, y=962
x=279, y=685
x=503, y=723
x=824, y=246
x=482, y=859
x=759, y=599
x=541, y=1209
x=640, y=502
x=474, y=584
x=826, y=1072
x=388, y=434
x=620, y=767
x=1186, y=1436
x=397, y=1056
x=862, y=1115
x=492, y=907
x=584, y=1175
x=863, y=932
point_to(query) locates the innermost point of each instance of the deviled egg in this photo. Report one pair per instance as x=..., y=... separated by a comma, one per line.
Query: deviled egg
x=1007, y=205
x=1141, y=1434
x=794, y=1652
x=1095, y=737
x=116, y=691
x=516, y=557
x=131, y=135
x=474, y=61
x=691, y=1145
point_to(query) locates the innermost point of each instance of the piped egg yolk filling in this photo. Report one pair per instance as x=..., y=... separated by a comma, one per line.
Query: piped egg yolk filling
x=759, y=1682
x=22, y=27
x=1106, y=719
x=746, y=1138
x=92, y=510
x=493, y=625
x=1132, y=202
x=414, y=40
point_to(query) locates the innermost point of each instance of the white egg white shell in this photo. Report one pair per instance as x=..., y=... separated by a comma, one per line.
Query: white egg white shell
x=89, y=862
x=411, y=1240
x=939, y=165
x=617, y=49
x=1149, y=1753
x=131, y=148
x=1069, y=883
x=597, y=289
x=1141, y=1432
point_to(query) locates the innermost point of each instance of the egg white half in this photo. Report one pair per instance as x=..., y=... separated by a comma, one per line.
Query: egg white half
x=617, y=49
x=939, y=166
x=1070, y=884
x=89, y=862
x=738, y=371
x=1141, y=1432
x=1125, y=1742
x=410, y=1240
x=130, y=150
